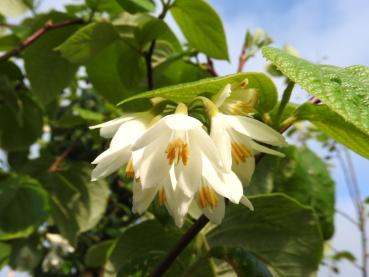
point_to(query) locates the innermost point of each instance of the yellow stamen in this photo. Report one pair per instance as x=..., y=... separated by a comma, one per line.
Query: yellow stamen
x=207, y=197
x=129, y=169
x=162, y=197
x=240, y=152
x=177, y=151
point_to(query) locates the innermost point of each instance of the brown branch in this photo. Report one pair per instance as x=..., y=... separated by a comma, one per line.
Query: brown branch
x=242, y=59
x=210, y=67
x=38, y=34
x=200, y=223
x=55, y=166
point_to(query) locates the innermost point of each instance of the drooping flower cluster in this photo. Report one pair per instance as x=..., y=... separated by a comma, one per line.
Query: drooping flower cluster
x=174, y=158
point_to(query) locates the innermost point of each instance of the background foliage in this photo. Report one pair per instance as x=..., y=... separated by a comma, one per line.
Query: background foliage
x=64, y=71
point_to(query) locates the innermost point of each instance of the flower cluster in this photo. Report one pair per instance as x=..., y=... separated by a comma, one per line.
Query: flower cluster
x=176, y=159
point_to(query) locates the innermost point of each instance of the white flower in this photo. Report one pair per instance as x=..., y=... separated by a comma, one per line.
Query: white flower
x=125, y=131
x=235, y=138
x=178, y=159
x=236, y=99
x=59, y=247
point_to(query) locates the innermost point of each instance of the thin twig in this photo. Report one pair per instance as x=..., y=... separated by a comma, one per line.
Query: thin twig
x=149, y=69
x=38, y=34
x=197, y=226
x=242, y=59
x=148, y=55
x=361, y=212
x=55, y=166
x=210, y=67
x=348, y=217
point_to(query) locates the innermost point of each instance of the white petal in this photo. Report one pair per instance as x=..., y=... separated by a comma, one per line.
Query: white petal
x=109, y=128
x=256, y=130
x=142, y=198
x=128, y=133
x=224, y=183
x=189, y=176
x=194, y=210
x=109, y=161
x=159, y=129
x=261, y=148
x=177, y=204
x=246, y=202
x=206, y=145
x=181, y=122
x=219, y=134
x=216, y=214
x=153, y=166
x=245, y=170
x=221, y=96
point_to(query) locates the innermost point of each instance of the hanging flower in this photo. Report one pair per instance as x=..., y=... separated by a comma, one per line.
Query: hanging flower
x=177, y=152
x=237, y=99
x=235, y=137
x=125, y=131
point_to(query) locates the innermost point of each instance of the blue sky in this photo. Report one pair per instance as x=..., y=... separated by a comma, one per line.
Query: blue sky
x=324, y=31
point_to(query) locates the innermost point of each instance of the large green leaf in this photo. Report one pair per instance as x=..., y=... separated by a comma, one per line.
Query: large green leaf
x=281, y=233
x=23, y=205
x=105, y=75
x=12, y=7
x=142, y=247
x=77, y=204
x=98, y=254
x=5, y=250
x=242, y=262
x=48, y=72
x=88, y=41
x=135, y=6
x=336, y=127
x=305, y=177
x=344, y=90
x=188, y=91
x=21, y=120
x=201, y=26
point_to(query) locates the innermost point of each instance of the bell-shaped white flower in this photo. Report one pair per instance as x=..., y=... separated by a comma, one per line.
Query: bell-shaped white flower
x=236, y=99
x=125, y=130
x=177, y=159
x=235, y=138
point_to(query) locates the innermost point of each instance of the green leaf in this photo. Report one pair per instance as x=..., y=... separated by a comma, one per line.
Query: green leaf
x=150, y=30
x=305, y=177
x=26, y=253
x=188, y=91
x=201, y=26
x=12, y=8
x=178, y=72
x=77, y=204
x=242, y=262
x=104, y=74
x=335, y=126
x=5, y=250
x=344, y=255
x=136, y=6
x=142, y=247
x=88, y=41
x=21, y=121
x=344, y=90
x=281, y=233
x=23, y=204
x=98, y=254
x=8, y=42
x=48, y=72
x=10, y=70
